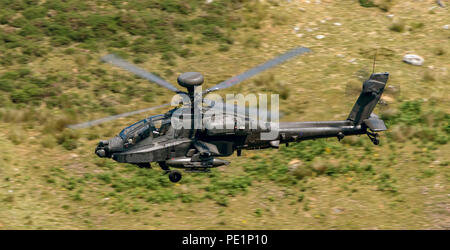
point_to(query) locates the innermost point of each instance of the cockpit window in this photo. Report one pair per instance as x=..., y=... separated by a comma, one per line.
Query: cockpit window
x=143, y=128
x=157, y=123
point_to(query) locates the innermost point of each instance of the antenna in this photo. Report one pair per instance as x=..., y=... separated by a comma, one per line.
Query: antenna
x=374, y=60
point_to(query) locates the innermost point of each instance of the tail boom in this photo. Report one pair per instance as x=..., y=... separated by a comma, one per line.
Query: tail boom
x=299, y=131
x=361, y=120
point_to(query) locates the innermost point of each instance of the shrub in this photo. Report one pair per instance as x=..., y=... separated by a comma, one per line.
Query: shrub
x=54, y=29
x=133, y=24
x=428, y=77
x=58, y=5
x=187, y=198
x=386, y=183
x=400, y=133
x=212, y=33
x=33, y=50
x=115, y=87
x=367, y=3
x=60, y=41
x=442, y=139
x=5, y=16
x=82, y=34
x=69, y=51
x=105, y=177
x=384, y=5
x=307, y=150
x=28, y=30
x=102, y=26
x=119, y=42
x=184, y=52
x=182, y=25
x=7, y=60
x=164, y=46
x=320, y=166
x=30, y=92
x=222, y=201
x=16, y=136
x=174, y=6
x=224, y=48
x=440, y=51
x=68, y=139
x=20, y=96
x=302, y=172
x=4, y=102
x=426, y=134
x=148, y=97
x=9, y=198
x=161, y=196
x=428, y=173
x=253, y=42
x=34, y=12
x=48, y=142
x=77, y=195
x=229, y=186
x=6, y=85
x=23, y=72
x=258, y=212
x=410, y=112
x=18, y=22
x=283, y=91
x=279, y=18
x=415, y=26
x=141, y=45
x=397, y=26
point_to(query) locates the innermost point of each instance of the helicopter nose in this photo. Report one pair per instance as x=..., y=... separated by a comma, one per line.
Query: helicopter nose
x=109, y=147
x=102, y=148
x=100, y=152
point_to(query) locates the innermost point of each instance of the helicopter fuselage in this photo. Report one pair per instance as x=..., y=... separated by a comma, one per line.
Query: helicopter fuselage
x=160, y=139
x=186, y=148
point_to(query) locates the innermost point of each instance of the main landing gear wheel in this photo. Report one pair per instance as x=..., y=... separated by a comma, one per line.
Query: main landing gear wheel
x=174, y=176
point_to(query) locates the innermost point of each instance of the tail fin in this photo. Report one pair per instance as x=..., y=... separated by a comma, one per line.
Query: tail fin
x=369, y=97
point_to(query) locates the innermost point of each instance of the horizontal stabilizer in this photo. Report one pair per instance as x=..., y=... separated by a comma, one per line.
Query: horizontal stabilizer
x=375, y=124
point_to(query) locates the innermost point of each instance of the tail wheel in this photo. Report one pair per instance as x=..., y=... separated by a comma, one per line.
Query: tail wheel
x=374, y=137
x=175, y=176
x=376, y=141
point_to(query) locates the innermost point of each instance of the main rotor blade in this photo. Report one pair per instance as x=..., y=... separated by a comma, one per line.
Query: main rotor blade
x=267, y=65
x=113, y=117
x=119, y=62
x=238, y=109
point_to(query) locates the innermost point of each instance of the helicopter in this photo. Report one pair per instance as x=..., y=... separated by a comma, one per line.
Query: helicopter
x=160, y=139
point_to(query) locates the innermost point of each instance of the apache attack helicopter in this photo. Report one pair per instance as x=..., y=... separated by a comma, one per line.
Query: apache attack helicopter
x=156, y=139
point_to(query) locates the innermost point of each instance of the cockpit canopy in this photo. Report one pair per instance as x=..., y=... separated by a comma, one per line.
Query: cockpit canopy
x=154, y=125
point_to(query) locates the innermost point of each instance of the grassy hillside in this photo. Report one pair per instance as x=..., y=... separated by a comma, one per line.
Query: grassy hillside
x=50, y=76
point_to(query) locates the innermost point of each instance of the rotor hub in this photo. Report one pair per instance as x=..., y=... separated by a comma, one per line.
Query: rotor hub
x=190, y=79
